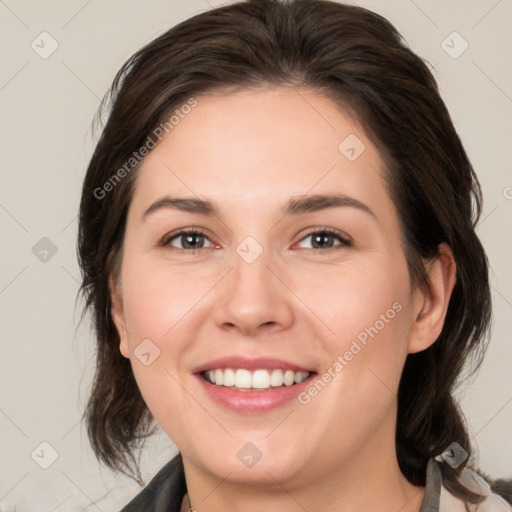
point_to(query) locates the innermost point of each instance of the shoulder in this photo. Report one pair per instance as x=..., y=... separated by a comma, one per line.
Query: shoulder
x=164, y=492
x=492, y=502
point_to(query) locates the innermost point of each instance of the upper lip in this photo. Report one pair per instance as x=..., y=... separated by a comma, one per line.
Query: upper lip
x=257, y=363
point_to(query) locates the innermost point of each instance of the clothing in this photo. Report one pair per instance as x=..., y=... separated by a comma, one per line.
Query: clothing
x=164, y=493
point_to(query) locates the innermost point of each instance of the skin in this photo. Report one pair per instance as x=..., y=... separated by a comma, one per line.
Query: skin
x=249, y=153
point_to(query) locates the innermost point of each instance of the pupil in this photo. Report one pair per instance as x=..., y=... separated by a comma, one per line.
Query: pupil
x=318, y=240
x=189, y=237
x=320, y=237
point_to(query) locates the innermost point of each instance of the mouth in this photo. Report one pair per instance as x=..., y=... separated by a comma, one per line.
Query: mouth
x=242, y=379
x=248, y=385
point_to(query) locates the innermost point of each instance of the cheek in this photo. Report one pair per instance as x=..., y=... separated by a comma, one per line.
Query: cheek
x=356, y=299
x=367, y=309
x=159, y=302
x=159, y=314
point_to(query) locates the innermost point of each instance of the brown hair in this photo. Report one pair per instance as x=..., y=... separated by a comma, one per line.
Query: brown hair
x=358, y=59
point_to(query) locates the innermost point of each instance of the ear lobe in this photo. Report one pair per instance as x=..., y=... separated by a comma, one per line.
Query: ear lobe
x=118, y=317
x=431, y=306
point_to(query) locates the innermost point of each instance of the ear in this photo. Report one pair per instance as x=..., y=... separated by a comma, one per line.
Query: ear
x=118, y=317
x=429, y=308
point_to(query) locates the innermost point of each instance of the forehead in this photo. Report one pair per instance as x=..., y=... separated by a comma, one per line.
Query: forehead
x=263, y=146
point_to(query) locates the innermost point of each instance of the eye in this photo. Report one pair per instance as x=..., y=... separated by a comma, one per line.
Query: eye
x=323, y=239
x=191, y=240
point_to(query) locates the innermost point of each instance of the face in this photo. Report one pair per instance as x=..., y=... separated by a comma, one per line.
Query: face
x=302, y=307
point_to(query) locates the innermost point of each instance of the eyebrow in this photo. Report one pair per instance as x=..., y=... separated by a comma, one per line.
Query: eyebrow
x=295, y=206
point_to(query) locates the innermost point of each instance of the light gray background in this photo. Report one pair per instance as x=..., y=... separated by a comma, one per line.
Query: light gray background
x=47, y=106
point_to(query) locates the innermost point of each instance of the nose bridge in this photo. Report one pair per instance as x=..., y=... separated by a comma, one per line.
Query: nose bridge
x=251, y=267
x=253, y=296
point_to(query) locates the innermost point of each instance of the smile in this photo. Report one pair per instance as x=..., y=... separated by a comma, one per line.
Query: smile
x=243, y=379
x=253, y=384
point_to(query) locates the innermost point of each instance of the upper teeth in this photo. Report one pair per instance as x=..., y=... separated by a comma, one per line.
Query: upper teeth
x=257, y=379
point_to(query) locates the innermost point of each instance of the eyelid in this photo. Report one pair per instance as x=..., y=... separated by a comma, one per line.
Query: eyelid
x=344, y=237
x=184, y=231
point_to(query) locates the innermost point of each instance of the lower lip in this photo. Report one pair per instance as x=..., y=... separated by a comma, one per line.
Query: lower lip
x=253, y=401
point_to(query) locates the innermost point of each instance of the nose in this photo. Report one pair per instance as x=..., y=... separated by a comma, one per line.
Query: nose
x=254, y=297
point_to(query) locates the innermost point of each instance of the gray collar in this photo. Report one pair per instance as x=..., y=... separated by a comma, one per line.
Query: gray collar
x=433, y=484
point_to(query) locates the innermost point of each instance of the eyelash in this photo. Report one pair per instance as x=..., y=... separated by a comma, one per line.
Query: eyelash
x=345, y=240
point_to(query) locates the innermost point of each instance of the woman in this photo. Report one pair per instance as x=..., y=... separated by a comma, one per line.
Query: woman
x=277, y=243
